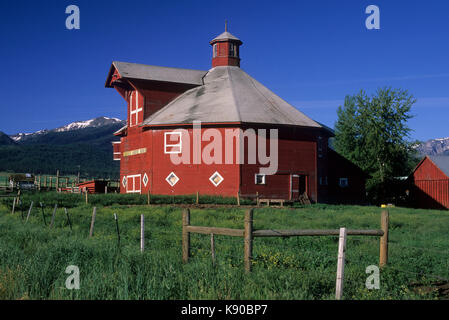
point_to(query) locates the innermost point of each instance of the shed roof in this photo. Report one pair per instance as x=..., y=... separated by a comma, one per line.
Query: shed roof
x=441, y=162
x=230, y=95
x=155, y=73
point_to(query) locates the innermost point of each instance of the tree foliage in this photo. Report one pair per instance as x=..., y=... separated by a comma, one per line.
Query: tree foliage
x=372, y=132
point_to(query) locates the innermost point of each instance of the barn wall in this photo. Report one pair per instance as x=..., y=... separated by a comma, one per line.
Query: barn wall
x=340, y=167
x=158, y=165
x=297, y=155
x=155, y=95
x=430, y=186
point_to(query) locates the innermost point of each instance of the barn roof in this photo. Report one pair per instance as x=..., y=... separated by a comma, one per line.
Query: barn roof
x=230, y=95
x=441, y=162
x=129, y=70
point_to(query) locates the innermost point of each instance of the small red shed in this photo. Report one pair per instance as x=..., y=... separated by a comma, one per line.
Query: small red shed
x=430, y=183
x=93, y=186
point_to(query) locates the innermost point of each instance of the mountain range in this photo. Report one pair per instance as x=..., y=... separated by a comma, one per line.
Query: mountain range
x=434, y=147
x=86, y=146
x=81, y=145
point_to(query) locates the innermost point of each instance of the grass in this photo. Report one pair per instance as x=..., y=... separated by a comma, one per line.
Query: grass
x=34, y=257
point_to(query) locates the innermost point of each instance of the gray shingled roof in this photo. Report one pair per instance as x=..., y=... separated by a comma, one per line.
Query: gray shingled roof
x=225, y=36
x=230, y=95
x=155, y=73
x=442, y=162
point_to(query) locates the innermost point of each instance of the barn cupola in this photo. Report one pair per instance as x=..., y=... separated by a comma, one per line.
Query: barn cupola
x=225, y=50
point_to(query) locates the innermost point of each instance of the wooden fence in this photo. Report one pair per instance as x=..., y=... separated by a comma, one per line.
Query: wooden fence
x=249, y=233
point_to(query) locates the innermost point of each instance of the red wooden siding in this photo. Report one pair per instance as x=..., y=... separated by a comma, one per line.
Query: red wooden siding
x=430, y=186
x=157, y=165
x=94, y=186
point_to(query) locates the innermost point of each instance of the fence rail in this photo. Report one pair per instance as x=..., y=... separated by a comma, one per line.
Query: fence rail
x=248, y=233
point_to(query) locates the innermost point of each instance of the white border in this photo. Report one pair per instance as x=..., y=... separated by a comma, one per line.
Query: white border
x=168, y=180
x=213, y=182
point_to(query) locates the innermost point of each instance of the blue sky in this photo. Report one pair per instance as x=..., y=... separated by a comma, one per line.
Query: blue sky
x=311, y=53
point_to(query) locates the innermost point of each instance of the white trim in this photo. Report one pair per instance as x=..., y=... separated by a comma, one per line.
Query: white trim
x=168, y=180
x=134, y=111
x=178, y=145
x=213, y=182
x=143, y=179
x=134, y=176
x=263, y=178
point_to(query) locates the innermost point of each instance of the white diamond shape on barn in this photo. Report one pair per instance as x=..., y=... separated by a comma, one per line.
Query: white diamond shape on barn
x=216, y=179
x=172, y=179
x=124, y=181
x=145, y=180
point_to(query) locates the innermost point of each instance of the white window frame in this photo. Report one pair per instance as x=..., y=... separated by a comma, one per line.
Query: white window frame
x=177, y=145
x=115, y=153
x=134, y=183
x=343, y=185
x=135, y=111
x=263, y=178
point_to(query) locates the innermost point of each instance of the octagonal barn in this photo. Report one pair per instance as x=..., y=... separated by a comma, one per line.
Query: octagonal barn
x=214, y=131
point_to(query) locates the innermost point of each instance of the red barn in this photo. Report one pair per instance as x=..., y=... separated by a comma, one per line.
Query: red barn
x=430, y=183
x=219, y=132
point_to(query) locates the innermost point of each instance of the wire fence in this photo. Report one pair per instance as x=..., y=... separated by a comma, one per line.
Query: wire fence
x=230, y=249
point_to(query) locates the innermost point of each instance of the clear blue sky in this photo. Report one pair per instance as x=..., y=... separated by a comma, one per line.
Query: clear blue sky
x=311, y=53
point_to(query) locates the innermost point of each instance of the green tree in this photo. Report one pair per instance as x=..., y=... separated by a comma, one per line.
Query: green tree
x=373, y=133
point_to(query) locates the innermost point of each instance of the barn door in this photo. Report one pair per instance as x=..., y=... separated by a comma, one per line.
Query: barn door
x=134, y=184
x=298, y=185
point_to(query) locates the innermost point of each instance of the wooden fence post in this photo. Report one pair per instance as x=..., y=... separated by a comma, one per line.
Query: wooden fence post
x=13, y=205
x=248, y=239
x=383, y=258
x=185, y=235
x=87, y=201
x=43, y=213
x=212, y=248
x=53, y=216
x=197, y=197
x=238, y=198
x=92, y=223
x=257, y=198
x=149, y=197
x=142, y=233
x=341, y=264
x=29, y=212
x=68, y=218
x=117, y=228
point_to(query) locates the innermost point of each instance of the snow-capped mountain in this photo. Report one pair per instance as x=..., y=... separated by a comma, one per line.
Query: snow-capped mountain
x=434, y=147
x=92, y=123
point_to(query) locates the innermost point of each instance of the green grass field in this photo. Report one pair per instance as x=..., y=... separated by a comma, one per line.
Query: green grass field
x=34, y=257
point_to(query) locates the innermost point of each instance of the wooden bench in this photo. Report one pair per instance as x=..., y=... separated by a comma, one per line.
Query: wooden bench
x=270, y=201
